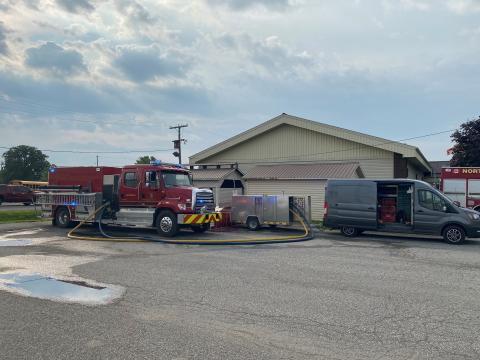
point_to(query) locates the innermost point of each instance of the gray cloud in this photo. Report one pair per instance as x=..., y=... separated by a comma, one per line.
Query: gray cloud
x=134, y=11
x=55, y=59
x=3, y=40
x=141, y=64
x=76, y=6
x=245, y=4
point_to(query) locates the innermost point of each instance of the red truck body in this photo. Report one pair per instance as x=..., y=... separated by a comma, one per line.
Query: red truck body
x=87, y=178
x=156, y=195
x=462, y=184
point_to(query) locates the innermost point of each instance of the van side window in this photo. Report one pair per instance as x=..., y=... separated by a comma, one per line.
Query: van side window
x=353, y=194
x=431, y=201
x=130, y=179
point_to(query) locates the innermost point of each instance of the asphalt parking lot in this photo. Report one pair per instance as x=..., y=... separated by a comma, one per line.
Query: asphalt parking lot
x=373, y=297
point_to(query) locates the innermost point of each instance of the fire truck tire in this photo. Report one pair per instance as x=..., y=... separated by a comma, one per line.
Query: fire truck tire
x=253, y=224
x=200, y=228
x=349, y=231
x=62, y=217
x=167, y=223
x=454, y=235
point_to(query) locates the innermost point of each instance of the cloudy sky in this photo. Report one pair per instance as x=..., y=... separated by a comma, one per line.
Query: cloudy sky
x=113, y=75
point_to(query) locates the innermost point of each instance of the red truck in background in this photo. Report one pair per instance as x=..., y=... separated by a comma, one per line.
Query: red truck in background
x=157, y=195
x=462, y=184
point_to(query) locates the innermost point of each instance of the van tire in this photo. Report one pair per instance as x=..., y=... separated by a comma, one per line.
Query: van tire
x=62, y=217
x=166, y=223
x=1, y=200
x=349, y=231
x=454, y=234
x=253, y=224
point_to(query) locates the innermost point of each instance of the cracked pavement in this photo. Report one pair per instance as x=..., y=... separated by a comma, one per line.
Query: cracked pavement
x=374, y=297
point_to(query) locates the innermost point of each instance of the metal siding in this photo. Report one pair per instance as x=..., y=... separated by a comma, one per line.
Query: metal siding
x=312, y=126
x=313, y=188
x=270, y=147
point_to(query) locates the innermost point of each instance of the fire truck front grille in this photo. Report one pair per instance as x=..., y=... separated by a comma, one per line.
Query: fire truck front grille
x=204, y=199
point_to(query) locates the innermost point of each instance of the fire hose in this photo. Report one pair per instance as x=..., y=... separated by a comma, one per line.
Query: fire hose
x=297, y=213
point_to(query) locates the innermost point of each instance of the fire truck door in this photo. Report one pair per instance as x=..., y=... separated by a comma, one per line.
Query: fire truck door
x=150, y=188
x=129, y=188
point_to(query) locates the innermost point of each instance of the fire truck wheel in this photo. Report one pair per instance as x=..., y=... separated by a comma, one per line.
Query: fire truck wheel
x=62, y=217
x=201, y=228
x=167, y=223
x=454, y=234
x=349, y=231
x=253, y=223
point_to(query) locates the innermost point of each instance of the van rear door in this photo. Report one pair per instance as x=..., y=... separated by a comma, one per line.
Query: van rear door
x=352, y=203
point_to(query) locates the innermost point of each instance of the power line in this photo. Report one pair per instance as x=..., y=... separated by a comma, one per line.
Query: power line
x=41, y=110
x=290, y=157
x=95, y=152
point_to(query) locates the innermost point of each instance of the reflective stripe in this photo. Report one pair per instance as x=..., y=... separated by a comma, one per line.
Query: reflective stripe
x=189, y=219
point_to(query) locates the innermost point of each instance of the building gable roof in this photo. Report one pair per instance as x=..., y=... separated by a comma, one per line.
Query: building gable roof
x=319, y=171
x=407, y=151
x=213, y=174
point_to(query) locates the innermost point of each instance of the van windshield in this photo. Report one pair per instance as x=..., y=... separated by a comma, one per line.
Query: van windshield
x=176, y=179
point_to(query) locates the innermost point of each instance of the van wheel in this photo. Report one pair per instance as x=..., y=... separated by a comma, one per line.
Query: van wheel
x=253, y=224
x=199, y=229
x=349, y=231
x=167, y=223
x=1, y=200
x=454, y=234
x=62, y=218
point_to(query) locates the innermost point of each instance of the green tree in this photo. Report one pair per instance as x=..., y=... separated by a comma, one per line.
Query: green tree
x=466, y=150
x=24, y=162
x=145, y=159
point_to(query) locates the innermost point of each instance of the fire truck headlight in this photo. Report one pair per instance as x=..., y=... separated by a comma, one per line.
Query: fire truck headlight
x=182, y=207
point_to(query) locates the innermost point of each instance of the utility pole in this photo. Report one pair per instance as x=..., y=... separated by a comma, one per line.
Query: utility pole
x=97, y=160
x=177, y=144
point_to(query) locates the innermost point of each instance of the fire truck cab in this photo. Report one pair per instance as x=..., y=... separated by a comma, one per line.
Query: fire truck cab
x=462, y=185
x=156, y=195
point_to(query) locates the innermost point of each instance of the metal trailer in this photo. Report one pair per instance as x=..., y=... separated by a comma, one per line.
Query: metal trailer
x=257, y=210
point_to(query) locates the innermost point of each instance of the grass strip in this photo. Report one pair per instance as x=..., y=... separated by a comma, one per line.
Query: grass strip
x=13, y=216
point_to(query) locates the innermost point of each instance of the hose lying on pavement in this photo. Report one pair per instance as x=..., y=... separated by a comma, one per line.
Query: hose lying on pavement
x=307, y=235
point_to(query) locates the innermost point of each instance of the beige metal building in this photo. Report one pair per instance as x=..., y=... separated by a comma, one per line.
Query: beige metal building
x=298, y=179
x=286, y=140
x=224, y=180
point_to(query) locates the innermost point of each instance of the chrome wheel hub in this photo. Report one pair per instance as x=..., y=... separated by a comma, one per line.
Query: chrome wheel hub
x=348, y=231
x=166, y=224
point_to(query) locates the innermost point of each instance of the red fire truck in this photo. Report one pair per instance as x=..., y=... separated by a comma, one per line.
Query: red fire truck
x=157, y=195
x=462, y=184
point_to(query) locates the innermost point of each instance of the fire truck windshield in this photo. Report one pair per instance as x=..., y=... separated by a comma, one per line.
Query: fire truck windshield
x=176, y=179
